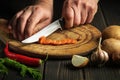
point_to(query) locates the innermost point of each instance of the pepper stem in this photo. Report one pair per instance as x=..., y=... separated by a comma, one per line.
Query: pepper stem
x=42, y=61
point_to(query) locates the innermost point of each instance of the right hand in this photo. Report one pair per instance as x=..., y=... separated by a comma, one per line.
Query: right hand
x=76, y=12
x=31, y=19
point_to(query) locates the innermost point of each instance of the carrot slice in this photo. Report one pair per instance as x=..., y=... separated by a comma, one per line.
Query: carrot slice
x=44, y=40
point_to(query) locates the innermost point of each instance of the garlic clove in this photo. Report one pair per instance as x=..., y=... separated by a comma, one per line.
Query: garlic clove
x=105, y=58
x=94, y=57
x=106, y=55
x=100, y=56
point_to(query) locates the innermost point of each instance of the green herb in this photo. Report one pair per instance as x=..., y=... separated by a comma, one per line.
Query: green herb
x=35, y=73
x=3, y=69
x=23, y=68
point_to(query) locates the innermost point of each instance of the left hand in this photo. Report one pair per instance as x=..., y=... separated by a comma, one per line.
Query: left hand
x=78, y=12
x=31, y=19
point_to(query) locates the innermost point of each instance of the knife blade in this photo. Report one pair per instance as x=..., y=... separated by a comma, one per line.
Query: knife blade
x=45, y=31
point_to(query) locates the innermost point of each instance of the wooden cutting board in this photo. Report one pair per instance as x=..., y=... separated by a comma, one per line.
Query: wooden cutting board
x=86, y=35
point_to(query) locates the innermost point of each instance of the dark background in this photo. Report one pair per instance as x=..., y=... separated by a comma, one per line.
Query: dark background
x=8, y=8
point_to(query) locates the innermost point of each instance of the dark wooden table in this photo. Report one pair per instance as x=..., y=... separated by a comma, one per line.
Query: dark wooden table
x=54, y=69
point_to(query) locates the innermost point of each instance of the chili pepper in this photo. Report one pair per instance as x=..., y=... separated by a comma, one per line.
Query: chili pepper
x=22, y=58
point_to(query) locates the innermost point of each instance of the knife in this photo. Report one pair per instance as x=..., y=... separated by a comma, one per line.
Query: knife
x=45, y=31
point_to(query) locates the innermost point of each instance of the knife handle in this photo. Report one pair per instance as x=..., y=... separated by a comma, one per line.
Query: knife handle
x=62, y=22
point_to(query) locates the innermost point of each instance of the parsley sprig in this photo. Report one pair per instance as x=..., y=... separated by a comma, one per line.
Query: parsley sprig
x=35, y=73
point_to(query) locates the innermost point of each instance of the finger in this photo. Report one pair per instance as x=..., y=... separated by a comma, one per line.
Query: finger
x=13, y=24
x=41, y=25
x=69, y=18
x=32, y=21
x=22, y=23
x=77, y=15
x=84, y=14
x=68, y=15
x=91, y=14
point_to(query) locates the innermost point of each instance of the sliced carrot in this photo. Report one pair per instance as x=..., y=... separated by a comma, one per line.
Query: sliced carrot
x=44, y=40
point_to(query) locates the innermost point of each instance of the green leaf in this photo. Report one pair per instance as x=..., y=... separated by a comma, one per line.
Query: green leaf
x=24, y=69
x=35, y=73
x=3, y=69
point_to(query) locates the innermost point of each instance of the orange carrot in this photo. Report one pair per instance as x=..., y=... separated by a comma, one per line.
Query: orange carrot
x=44, y=40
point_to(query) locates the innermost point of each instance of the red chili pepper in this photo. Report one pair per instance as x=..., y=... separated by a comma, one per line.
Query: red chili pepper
x=22, y=58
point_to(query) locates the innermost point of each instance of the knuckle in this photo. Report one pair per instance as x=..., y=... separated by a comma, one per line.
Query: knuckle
x=36, y=8
x=90, y=6
x=83, y=2
x=21, y=18
x=67, y=2
x=76, y=2
x=30, y=20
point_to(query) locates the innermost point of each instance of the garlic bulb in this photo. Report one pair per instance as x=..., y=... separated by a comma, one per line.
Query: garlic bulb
x=100, y=56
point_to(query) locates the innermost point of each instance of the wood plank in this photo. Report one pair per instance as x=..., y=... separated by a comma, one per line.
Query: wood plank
x=1, y=76
x=62, y=70
x=102, y=73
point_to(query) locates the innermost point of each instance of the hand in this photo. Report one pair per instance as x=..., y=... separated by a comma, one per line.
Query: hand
x=30, y=20
x=78, y=12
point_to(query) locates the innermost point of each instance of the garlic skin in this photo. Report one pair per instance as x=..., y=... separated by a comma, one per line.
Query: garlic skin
x=100, y=56
x=106, y=55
